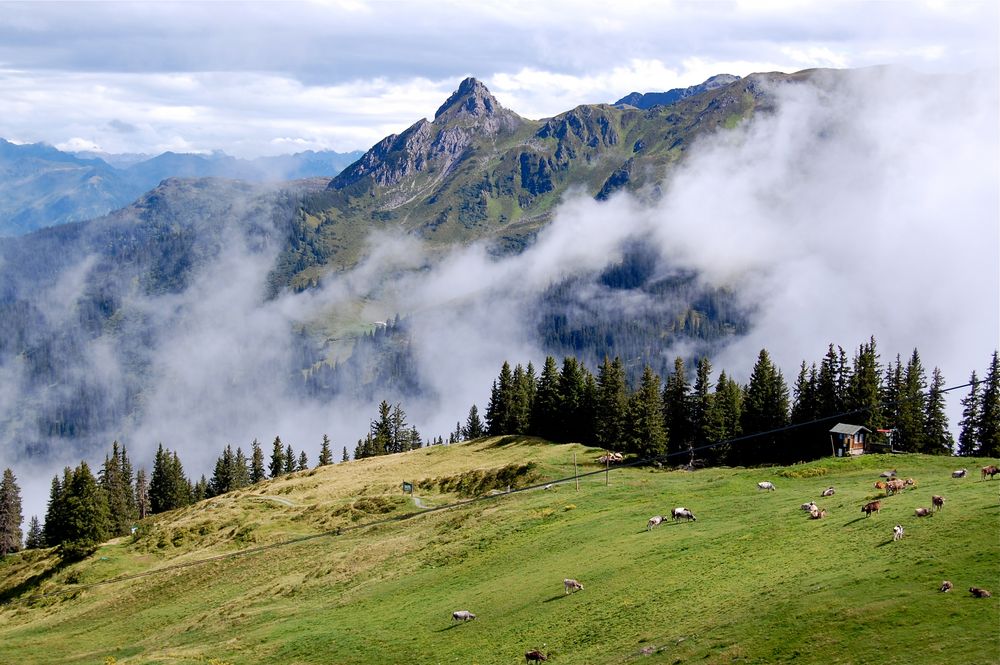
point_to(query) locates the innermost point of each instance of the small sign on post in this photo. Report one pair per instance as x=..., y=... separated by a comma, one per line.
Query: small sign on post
x=407, y=487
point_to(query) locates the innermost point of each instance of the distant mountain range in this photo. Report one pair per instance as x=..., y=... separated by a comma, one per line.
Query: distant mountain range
x=41, y=186
x=650, y=99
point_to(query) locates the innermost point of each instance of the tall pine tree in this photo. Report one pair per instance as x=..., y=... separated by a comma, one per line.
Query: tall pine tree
x=989, y=412
x=968, y=436
x=937, y=438
x=647, y=432
x=765, y=408
x=912, y=406
x=10, y=514
x=325, y=455
x=257, y=472
x=87, y=520
x=611, y=419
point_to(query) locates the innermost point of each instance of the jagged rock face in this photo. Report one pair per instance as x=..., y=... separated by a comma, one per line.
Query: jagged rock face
x=471, y=112
x=651, y=99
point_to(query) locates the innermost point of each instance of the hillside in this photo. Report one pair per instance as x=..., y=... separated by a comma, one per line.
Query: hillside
x=752, y=580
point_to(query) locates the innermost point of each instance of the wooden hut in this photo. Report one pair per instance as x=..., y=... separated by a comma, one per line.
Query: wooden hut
x=848, y=439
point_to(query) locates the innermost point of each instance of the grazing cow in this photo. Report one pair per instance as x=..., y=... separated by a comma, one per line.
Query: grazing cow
x=655, y=520
x=990, y=471
x=808, y=507
x=829, y=491
x=817, y=514
x=979, y=593
x=678, y=513
x=535, y=656
x=910, y=482
x=871, y=507
x=887, y=474
x=766, y=485
x=937, y=501
x=879, y=485
x=959, y=474
x=946, y=586
x=897, y=532
x=572, y=585
x=923, y=512
x=462, y=615
x=894, y=486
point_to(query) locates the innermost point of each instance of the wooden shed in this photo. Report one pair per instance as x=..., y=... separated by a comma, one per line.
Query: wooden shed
x=848, y=439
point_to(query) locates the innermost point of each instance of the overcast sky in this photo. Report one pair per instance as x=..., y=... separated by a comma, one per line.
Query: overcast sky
x=271, y=78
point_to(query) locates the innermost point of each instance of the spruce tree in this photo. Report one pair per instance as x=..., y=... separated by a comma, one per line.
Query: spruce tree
x=34, y=539
x=647, y=432
x=937, y=438
x=240, y=473
x=380, y=441
x=277, y=465
x=989, y=412
x=289, y=459
x=676, y=408
x=115, y=479
x=325, y=456
x=345, y=457
x=222, y=480
x=303, y=461
x=611, y=418
x=10, y=514
x=701, y=401
x=548, y=404
x=723, y=420
x=473, y=425
x=573, y=421
x=87, y=520
x=765, y=408
x=399, y=440
x=968, y=436
x=202, y=490
x=864, y=389
x=142, y=505
x=257, y=471
x=169, y=488
x=500, y=410
x=912, y=406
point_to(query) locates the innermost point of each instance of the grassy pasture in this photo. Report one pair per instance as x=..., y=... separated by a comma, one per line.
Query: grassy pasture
x=752, y=580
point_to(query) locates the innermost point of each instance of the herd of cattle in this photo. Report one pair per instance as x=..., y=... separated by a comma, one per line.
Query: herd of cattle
x=891, y=485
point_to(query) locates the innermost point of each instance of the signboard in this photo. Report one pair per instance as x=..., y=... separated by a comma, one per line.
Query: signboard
x=407, y=487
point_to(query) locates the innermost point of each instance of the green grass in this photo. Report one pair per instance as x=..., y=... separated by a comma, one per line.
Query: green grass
x=752, y=580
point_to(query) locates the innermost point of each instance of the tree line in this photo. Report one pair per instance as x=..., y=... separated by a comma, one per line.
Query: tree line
x=722, y=422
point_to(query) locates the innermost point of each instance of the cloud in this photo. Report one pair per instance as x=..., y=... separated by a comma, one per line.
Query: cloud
x=343, y=75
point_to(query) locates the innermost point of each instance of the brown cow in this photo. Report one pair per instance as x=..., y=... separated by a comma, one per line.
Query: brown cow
x=979, y=593
x=879, y=485
x=535, y=655
x=937, y=501
x=895, y=485
x=923, y=512
x=990, y=471
x=871, y=507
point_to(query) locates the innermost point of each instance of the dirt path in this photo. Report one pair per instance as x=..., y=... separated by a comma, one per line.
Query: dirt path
x=277, y=499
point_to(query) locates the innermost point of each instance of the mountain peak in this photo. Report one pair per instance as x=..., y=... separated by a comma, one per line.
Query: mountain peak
x=472, y=99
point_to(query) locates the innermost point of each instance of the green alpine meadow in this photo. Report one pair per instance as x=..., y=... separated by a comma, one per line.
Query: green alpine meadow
x=339, y=565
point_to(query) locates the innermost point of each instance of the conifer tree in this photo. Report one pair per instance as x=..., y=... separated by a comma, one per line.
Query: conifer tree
x=345, y=457
x=115, y=479
x=290, y=459
x=765, y=408
x=257, y=472
x=865, y=387
x=277, y=465
x=829, y=395
x=325, y=456
x=547, y=406
x=892, y=390
x=989, y=412
x=222, y=480
x=725, y=414
x=380, y=432
x=241, y=470
x=611, y=418
x=202, y=490
x=34, y=539
x=647, y=433
x=500, y=410
x=10, y=514
x=937, y=438
x=87, y=521
x=142, y=504
x=573, y=424
x=912, y=406
x=169, y=488
x=399, y=440
x=701, y=401
x=522, y=396
x=968, y=436
x=54, y=530
x=473, y=425
x=676, y=408
x=303, y=461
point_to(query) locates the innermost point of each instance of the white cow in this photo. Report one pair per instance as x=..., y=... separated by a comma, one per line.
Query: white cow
x=897, y=532
x=655, y=520
x=462, y=615
x=766, y=485
x=959, y=474
x=679, y=513
x=572, y=585
x=808, y=507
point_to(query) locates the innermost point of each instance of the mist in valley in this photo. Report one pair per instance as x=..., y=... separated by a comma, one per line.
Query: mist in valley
x=863, y=206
